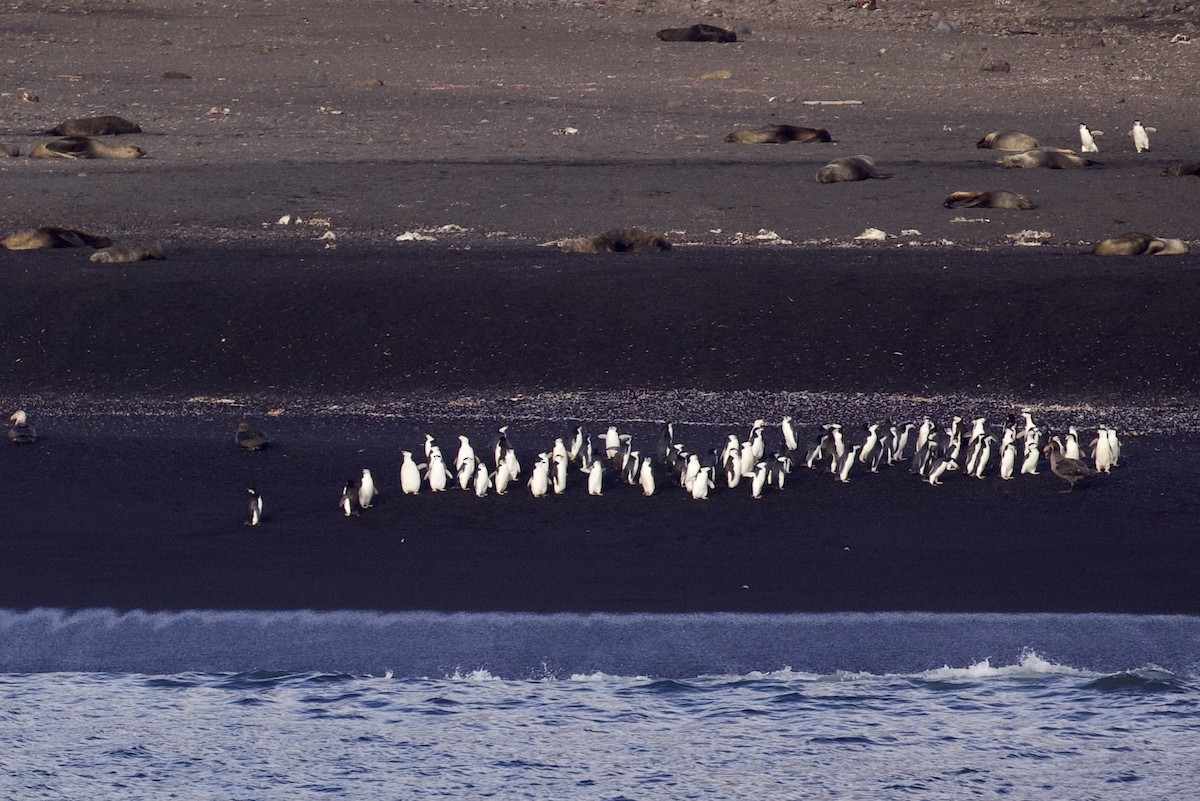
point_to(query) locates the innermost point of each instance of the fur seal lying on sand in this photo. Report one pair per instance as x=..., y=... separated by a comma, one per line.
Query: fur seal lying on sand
x=9, y=151
x=1008, y=140
x=697, y=33
x=95, y=126
x=995, y=199
x=778, y=135
x=850, y=168
x=619, y=240
x=80, y=147
x=1052, y=158
x=1138, y=244
x=1180, y=170
x=42, y=238
x=121, y=254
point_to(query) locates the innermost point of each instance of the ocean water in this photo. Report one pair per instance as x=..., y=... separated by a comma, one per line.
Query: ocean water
x=103, y=705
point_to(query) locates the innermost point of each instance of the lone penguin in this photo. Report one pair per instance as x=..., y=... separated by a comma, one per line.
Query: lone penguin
x=1087, y=140
x=21, y=432
x=1141, y=136
x=248, y=439
x=255, y=511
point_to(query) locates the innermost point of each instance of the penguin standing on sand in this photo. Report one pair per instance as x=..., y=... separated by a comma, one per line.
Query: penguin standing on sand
x=1141, y=138
x=410, y=474
x=1114, y=445
x=558, y=474
x=483, y=480
x=1033, y=451
x=1102, y=451
x=666, y=442
x=984, y=455
x=939, y=468
x=646, y=477
x=438, y=475
x=500, y=446
x=366, y=489
x=789, y=434
x=595, y=471
x=846, y=462
x=702, y=483
x=1070, y=446
x=255, y=511
x=1008, y=459
x=1086, y=140
x=539, y=479
x=349, y=502
x=759, y=480
x=503, y=477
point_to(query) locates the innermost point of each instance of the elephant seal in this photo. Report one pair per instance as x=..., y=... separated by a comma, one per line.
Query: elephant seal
x=1008, y=140
x=618, y=240
x=80, y=147
x=778, y=135
x=1052, y=158
x=995, y=199
x=850, y=168
x=1180, y=170
x=42, y=238
x=1138, y=244
x=697, y=33
x=95, y=126
x=123, y=254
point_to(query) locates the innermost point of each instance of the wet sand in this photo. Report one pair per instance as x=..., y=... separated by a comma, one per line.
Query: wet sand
x=135, y=495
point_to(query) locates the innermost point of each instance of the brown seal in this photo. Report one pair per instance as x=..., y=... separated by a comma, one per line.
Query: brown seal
x=107, y=125
x=80, y=147
x=697, y=33
x=1008, y=140
x=1180, y=170
x=850, y=168
x=619, y=240
x=121, y=254
x=41, y=238
x=1052, y=158
x=9, y=151
x=994, y=199
x=778, y=135
x=1139, y=244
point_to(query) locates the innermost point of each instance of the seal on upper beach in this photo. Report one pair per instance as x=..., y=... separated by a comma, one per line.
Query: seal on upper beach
x=1008, y=140
x=1182, y=169
x=778, y=135
x=1052, y=158
x=49, y=237
x=1134, y=243
x=618, y=240
x=697, y=33
x=80, y=147
x=993, y=199
x=107, y=125
x=850, y=168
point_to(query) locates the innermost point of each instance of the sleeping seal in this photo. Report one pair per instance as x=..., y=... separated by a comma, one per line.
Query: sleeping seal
x=1138, y=244
x=1180, y=170
x=850, y=168
x=9, y=151
x=41, y=238
x=697, y=33
x=95, y=126
x=122, y=254
x=80, y=147
x=618, y=240
x=778, y=135
x=1008, y=140
x=995, y=199
x=1052, y=158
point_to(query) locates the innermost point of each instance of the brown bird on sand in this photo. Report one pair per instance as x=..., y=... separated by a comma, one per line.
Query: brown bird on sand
x=250, y=440
x=1069, y=470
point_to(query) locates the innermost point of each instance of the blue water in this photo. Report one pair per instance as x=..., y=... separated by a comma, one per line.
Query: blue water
x=417, y=705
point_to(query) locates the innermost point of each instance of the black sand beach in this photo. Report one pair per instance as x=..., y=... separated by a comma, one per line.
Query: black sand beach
x=360, y=344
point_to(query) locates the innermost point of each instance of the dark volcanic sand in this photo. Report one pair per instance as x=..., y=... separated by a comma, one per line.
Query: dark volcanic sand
x=135, y=496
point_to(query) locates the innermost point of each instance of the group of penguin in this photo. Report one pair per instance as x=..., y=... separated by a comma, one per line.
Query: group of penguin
x=930, y=450
x=1139, y=132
